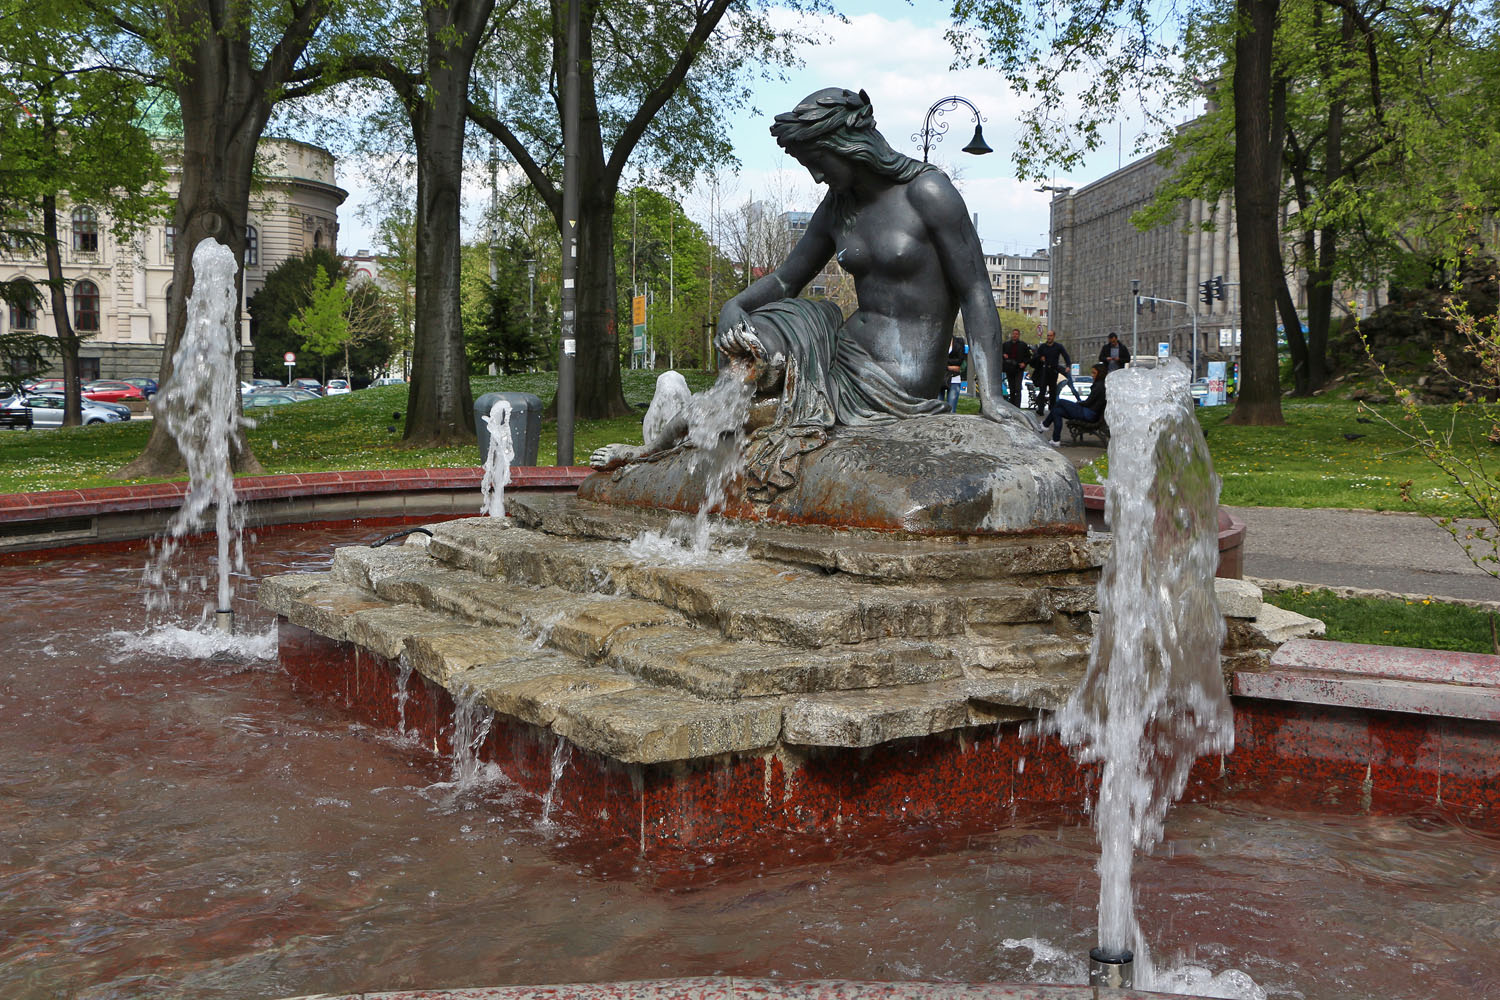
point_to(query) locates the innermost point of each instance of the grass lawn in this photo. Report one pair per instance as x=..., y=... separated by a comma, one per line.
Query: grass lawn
x=1309, y=462
x=1422, y=624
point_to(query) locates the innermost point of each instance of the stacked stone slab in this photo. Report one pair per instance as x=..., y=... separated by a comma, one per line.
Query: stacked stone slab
x=787, y=636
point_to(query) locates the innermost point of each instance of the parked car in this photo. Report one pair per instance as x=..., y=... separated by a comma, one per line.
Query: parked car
x=337, y=387
x=299, y=395
x=267, y=382
x=389, y=381
x=111, y=390
x=277, y=397
x=1199, y=391
x=310, y=384
x=47, y=410
x=147, y=386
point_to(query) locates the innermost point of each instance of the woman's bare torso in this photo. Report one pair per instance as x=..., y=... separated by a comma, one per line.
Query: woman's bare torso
x=903, y=324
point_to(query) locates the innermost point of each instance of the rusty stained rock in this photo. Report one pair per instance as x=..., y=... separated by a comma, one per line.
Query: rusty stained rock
x=939, y=475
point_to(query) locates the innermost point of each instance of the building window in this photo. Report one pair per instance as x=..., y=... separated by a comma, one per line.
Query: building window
x=318, y=240
x=86, y=307
x=170, y=239
x=252, y=247
x=85, y=230
x=23, y=317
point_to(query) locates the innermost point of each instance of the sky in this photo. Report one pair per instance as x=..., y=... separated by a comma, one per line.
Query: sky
x=896, y=52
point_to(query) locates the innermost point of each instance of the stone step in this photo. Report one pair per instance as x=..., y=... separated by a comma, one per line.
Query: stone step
x=759, y=600
x=666, y=692
x=709, y=666
x=645, y=640
x=888, y=556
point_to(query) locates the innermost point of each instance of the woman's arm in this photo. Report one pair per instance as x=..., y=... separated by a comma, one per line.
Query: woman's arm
x=807, y=258
x=947, y=218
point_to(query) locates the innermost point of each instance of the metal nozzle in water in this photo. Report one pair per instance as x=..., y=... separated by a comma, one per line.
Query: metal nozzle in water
x=1113, y=969
x=224, y=621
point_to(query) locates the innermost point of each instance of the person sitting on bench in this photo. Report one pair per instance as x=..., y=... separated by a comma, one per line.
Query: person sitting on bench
x=1091, y=410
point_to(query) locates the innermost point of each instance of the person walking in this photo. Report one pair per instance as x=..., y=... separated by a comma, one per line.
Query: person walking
x=1051, y=361
x=1113, y=355
x=1090, y=410
x=957, y=355
x=1015, y=355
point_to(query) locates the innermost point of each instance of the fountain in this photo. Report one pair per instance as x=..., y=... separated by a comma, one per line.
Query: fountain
x=200, y=407
x=1153, y=700
x=809, y=751
x=502, y=452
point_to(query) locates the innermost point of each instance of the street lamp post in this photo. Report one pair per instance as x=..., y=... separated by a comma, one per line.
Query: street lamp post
x=531, y=298
x=933, y=131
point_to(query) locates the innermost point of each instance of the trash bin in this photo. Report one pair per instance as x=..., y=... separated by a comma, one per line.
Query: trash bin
x=525, y=424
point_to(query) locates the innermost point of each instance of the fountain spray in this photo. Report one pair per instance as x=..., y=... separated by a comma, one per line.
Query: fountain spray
x=200, y=409
x=497, y=462
x=1153, y=698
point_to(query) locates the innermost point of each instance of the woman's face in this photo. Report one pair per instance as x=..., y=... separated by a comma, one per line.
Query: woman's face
x=825, y=167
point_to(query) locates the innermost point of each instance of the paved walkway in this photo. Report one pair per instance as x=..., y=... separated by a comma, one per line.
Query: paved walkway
x=1400, y=553
x=1360, y=549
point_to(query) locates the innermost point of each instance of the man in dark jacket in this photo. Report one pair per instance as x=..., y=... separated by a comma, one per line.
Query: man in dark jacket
x=1089, y=410
x=1114, y=355
x=1051, y=361
x=1016, y=355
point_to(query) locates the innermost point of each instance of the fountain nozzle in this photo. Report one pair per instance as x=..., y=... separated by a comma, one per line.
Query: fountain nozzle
x=1114, y=969
x=224, y=621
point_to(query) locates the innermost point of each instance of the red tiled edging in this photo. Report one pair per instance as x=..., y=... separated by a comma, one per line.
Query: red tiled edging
x=16, y=507
x=736, y=988
x=119, y=514
x=1293, y=753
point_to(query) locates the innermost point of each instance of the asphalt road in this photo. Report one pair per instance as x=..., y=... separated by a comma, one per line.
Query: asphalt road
x=1364, y=550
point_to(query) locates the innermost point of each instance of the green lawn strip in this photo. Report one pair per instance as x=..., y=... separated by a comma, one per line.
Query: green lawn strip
x=1307, y=463
x=1422, y=623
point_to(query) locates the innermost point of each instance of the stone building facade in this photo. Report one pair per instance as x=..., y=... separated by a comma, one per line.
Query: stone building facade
x=118, y=290
x=1098, y=256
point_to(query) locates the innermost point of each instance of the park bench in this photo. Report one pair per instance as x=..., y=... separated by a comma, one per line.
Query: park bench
x=1098, y=428
x=16, y=418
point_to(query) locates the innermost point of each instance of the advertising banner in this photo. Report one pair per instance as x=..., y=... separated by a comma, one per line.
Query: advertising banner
x=1215, y=395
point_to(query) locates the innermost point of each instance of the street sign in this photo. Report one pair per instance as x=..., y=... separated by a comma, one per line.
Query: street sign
x=638, y=310
x=1163, y=350
x=289, y=358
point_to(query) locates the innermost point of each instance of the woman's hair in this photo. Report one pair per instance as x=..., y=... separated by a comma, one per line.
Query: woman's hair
x=842, y=122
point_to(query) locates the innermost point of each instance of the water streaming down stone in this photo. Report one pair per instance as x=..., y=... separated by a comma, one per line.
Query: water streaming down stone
x=1153, y=699
x=716, y=440
x=497, y=463
x=472, y=720
x=403, y=692
x=561, y=751
x=199, y=406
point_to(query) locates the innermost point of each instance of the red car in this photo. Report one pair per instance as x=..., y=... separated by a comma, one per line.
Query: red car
x=104, y=390
x=111, y=391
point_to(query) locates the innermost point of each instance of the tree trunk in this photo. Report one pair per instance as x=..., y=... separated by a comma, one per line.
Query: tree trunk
x=599, y=393
x=440, y=408
x=1295, y=341
x=1320, y=308
x=224, y=111
x=597, y=388
x=67, y=337
x=1256, y=198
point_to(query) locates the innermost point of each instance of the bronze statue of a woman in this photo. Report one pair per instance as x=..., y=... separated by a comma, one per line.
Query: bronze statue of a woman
x=901, y=229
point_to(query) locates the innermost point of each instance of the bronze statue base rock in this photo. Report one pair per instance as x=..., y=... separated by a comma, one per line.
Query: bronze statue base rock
x=940, y=475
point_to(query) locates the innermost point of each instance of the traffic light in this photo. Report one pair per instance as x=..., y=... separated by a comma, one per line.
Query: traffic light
x=1219, y=287
x=1206, y=292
